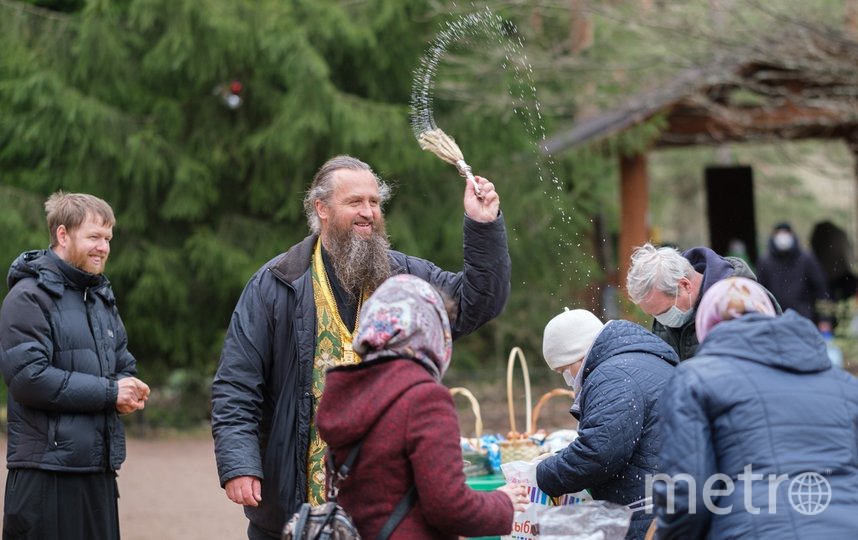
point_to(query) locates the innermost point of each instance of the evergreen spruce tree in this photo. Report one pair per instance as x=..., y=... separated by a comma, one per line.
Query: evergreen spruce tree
x=130, y=100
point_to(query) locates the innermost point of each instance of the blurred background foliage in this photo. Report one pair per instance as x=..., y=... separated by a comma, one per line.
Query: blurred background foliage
x=127, y=99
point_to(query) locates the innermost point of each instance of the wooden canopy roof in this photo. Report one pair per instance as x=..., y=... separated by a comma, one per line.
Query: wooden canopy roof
x=801, y=86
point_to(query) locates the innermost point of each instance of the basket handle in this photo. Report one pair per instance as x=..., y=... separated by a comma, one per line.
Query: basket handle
x=544, y=399
x=475, y=406
x=517, y=352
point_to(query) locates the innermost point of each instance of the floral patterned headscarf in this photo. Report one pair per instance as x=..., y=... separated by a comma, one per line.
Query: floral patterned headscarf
x=405, y=318
x=730, y=299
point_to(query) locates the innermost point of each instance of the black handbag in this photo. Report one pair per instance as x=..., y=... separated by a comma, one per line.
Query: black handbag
x=330, y=521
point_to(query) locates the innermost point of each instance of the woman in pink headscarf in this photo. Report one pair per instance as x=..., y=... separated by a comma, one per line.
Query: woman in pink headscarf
x=751, y=421
x=395, y=403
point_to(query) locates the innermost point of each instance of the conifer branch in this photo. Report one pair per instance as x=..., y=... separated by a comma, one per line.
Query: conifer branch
x=34, y=10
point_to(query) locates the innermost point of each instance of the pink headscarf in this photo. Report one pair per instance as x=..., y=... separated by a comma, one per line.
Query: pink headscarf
x=405, y=318
x=730, y=299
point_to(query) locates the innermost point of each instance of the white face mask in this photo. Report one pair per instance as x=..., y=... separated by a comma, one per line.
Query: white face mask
x=675, y=317
x=569, y=378
x=783, y=240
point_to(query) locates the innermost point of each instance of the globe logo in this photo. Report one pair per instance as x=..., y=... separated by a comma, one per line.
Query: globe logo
x=809, y=493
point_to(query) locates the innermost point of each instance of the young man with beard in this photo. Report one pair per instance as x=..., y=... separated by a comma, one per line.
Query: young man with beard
x=296, y=318
x=64, y=359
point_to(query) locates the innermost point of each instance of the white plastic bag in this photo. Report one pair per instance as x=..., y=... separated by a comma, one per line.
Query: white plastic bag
x=525, y=524
x=591, y=520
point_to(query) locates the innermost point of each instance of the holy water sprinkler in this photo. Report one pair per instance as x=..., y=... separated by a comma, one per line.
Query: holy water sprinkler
x=445, y=147
x=428, y=134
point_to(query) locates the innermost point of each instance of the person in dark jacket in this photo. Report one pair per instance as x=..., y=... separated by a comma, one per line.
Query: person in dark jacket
x=64, y=357
x=792, y=274
x=394, y=402
x=617, y=371
x=831, y=247
x=668, y=285
x=296, y=318
x=759, y=433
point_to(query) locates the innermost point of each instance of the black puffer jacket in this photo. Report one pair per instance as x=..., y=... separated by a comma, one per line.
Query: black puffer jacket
x=618, y=437
x=63, y=348
x=262, y=402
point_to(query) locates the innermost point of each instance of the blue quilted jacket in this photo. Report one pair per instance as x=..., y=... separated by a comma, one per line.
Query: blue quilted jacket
x=761, y=406
x=618, y=437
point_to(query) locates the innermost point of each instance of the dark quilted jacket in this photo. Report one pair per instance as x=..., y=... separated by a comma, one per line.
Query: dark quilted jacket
x=618, y=437
x=63, y=348
x=761, y=393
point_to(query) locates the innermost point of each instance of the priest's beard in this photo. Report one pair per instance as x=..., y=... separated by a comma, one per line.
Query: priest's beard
x=360, y=264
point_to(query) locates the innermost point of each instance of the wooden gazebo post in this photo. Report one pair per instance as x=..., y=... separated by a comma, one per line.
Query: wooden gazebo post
x=634, y=208
x=852, y=143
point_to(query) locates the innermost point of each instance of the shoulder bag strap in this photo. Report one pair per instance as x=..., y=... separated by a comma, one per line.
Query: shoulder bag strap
x=398, y=513
x=401, y=509
x=338, y=475
x=303, y=514
x=350, y=459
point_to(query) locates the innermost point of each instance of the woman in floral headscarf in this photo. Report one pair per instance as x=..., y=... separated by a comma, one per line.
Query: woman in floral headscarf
x=764, y=428
x=394, y=401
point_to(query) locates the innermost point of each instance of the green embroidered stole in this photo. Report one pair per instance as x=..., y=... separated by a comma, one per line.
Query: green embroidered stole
x=333, y=348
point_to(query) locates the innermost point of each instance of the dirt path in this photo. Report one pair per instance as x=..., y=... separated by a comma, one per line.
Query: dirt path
x=169, y=490
x=169, y=487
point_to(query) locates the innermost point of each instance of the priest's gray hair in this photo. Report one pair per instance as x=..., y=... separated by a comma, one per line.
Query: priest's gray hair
x=322, y=187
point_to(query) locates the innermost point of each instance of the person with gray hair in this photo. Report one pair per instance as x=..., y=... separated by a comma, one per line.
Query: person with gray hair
x=296, y=318
x=667, y=284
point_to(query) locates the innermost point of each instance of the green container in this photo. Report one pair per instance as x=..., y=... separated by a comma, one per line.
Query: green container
x=488, y=482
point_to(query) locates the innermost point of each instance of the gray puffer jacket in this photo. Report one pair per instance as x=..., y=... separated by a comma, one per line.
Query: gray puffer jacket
x=63, y=348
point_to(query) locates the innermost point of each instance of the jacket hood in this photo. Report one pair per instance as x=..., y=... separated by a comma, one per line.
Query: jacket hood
x=31, y=264
x=54, y=274
x=362, y=394
x=789, y=342
x=714, y=267
x=624, y=337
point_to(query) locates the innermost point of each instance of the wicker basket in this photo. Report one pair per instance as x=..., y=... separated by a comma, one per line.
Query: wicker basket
x=518, y=446
x=544, y=399
x=650, y=532
x=476, y=463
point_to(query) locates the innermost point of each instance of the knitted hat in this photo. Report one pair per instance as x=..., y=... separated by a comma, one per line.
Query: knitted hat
x=730, y=299
x=569, y=336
